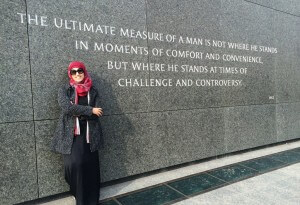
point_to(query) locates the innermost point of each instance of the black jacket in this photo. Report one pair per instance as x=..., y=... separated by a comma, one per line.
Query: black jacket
x=64, y=133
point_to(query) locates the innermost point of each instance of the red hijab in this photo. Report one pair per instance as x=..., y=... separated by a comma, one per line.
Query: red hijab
x=81, y=89
x=85, y=85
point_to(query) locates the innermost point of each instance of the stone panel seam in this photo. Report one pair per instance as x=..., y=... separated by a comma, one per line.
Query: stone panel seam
x=2, y=123
x=276, y=124
x=273, y=8
x=161, y=111
x=36, y=165
x=275, y=86
x=148, y=56
x=225, y=114
x=276, y=107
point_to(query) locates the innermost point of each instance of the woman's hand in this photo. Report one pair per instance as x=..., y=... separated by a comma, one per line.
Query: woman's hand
x=97, y=111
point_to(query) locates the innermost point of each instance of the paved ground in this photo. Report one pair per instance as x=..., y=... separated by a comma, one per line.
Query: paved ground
x=280, y=187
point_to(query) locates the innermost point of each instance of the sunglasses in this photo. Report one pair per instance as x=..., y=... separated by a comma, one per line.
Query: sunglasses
x=79, y=71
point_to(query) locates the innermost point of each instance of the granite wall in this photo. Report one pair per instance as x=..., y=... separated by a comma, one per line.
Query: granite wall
x=211, y=99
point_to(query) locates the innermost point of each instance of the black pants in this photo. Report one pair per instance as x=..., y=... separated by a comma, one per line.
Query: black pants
x=82, y=170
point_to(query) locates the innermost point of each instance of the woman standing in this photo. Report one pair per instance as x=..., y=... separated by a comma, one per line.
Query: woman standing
x=78, y=134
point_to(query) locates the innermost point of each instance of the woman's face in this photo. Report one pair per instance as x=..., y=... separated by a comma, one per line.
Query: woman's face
x=77, y=74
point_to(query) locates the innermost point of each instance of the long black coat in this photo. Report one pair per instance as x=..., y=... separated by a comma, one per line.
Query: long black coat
x=64, y=133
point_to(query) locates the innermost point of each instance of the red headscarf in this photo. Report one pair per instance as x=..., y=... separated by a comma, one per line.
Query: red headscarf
x=81, y=89
x=85, y=85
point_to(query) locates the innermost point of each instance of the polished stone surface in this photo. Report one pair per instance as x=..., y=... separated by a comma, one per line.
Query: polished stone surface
x=50, y=165
x=18, y=163
x=129, y=146
x=296, y=150
x=249, y=126
x=134, y=142
x=277, y=187
x=15, y=82
x=196, y=184
x=115, y=99
x=287, y=63
x=288, y=6
x=232, y=173
x=242, y=22
x=288, y=121
x=189, y=135
x=155, y=196
x=263, y=164
x=110, y=202
x=182, y=19
x=287, y=157
x=226, y=24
